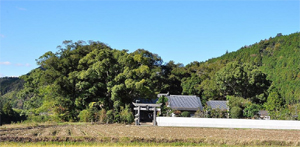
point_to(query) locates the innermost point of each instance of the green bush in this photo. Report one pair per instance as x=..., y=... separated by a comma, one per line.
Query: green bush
x=110, y=116
x=84, y=116
x=164, y=109
x=39, y=118
x=218, y=113
x=125, y=115
x=236, y=112
x=185, y=114
x=199, y=113
x=251, y=110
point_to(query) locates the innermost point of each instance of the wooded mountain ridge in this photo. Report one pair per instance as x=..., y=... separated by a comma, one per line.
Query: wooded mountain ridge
x=81, y=76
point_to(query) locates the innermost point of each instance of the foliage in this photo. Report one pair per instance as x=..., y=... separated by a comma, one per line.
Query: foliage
x=8, y=114
x=79, y=73
x=185, y=114
x=237, y=102
x=190, y=85
x=236, y=106
x=252, y=110
x=110, y=116
x=126, y=115
x=243, y=80
x=217, y=113
x=40, y=118
x=93, y=114
x=274, y=101
x=199, y=113
x=84, y=116
x=236, y=112
x=165, y=110
x=10, y=84
x=9, y=89
x=7, y=110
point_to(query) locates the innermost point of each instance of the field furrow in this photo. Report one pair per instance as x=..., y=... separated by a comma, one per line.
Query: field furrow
x=120, y=132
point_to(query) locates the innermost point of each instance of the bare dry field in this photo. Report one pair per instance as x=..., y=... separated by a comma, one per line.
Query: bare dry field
x=112, y=133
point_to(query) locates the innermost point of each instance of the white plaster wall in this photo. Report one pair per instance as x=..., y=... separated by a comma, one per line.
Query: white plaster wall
x=227, y=123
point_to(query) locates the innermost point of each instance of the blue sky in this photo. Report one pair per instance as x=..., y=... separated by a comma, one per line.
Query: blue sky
x=182, y=31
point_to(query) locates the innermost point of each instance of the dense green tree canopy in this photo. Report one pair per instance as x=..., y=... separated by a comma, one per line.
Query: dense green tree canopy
x=243, y=80
x=80, y=73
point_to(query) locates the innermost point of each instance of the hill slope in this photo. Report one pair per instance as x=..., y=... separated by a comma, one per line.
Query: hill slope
x=8, y=84
x=277, y=57
x=9, y=87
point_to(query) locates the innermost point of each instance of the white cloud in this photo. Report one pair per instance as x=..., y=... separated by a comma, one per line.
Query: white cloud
x=5, y=63
x=17, y=64
x=22, y=9
x=20, y=64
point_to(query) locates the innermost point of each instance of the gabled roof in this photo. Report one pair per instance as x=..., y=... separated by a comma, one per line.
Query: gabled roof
x=214, y=104
x=184, y=102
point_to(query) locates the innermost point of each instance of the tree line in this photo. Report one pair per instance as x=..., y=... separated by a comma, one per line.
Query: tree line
x=86, y=78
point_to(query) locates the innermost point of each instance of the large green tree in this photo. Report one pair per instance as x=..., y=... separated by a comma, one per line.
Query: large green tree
x=80, y=74
x=243, y=80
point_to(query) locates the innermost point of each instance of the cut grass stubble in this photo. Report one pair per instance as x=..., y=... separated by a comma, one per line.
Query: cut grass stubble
x=128, y=134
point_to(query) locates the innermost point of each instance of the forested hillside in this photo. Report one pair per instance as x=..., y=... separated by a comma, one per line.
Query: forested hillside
x=278, y=58
x=10, y=84
x=9, y=87
x=84, y=81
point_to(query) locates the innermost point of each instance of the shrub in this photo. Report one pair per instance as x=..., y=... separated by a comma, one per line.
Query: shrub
x=110, y=116
x=199, y=113
x=236, y=112
x=39, y=118
x=125, y=115
x=164, y=109
x=218, y=113
x=185, y=114
x=84, y=116
x=251, y=110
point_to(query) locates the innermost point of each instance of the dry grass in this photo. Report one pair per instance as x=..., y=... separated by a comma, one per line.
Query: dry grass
x=55, y=144
x=147, y=134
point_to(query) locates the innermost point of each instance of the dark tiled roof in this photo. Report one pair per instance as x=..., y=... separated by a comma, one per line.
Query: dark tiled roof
x=217, y=104
x=184, y=102
x=142, y=100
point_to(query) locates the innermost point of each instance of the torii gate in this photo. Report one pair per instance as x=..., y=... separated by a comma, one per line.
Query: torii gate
x=146, y=107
